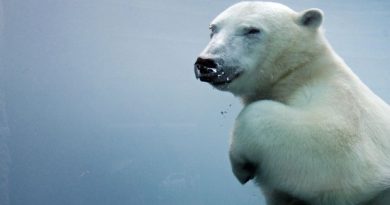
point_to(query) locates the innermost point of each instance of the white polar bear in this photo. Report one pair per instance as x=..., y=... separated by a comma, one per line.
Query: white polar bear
x=310, y=131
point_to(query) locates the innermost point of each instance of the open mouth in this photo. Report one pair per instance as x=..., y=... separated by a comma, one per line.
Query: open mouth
x=214, y=75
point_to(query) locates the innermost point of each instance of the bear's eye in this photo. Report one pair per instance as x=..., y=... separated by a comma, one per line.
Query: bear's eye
x=213, y=29
x=252, y=31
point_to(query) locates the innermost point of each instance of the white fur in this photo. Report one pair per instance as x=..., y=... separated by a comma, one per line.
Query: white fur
x=311, y=128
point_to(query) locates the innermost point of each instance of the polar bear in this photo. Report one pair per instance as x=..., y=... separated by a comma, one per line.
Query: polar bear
x=310, y=131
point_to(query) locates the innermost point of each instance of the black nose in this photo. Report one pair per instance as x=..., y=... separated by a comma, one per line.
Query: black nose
x=205, y=63
x=205, y=69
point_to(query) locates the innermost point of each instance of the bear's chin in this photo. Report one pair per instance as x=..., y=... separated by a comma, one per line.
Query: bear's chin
x=226, y=81
x=221, y=87
x=227, y=86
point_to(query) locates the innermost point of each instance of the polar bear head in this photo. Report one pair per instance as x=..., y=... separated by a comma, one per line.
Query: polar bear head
x=255, y=44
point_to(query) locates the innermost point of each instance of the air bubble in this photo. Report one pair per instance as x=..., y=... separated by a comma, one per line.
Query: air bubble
x=214, y=70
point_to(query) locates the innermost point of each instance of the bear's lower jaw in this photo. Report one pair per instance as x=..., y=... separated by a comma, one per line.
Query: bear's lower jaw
x=223, y=80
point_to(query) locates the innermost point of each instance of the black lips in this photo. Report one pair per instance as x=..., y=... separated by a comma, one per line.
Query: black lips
x=213, y=72
x=207, y=70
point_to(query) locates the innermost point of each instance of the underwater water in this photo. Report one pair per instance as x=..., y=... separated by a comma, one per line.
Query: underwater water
x=99, y=103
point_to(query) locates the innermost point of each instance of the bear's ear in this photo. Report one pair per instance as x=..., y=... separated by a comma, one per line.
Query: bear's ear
x=311, y=18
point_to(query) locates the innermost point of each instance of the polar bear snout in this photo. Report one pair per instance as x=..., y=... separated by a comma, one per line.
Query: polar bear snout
x=214, y=72
x=206, y=69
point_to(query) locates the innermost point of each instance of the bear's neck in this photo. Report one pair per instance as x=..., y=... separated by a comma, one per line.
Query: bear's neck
x=326, y=64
